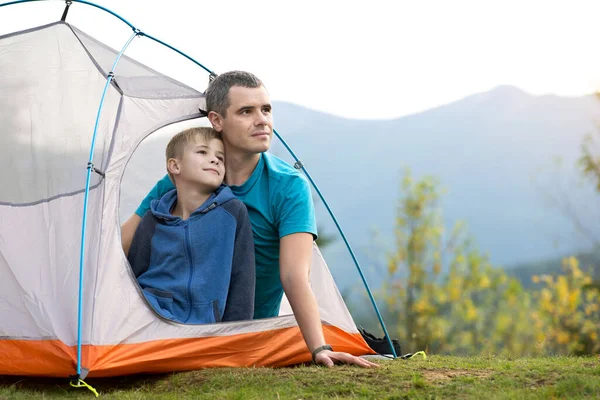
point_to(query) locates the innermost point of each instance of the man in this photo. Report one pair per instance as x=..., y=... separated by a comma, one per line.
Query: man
x=279, y=205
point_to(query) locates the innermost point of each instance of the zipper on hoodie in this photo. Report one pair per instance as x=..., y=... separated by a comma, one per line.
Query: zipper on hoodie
x=188, y=249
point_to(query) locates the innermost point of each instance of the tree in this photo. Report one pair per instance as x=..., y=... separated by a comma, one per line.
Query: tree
x=444, y=295
x=416, y=257
x=590, y=160
x=567, y=318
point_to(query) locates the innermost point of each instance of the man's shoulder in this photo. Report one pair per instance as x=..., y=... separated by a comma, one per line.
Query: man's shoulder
x=282, y=172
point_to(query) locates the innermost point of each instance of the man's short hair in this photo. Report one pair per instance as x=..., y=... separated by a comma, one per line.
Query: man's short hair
x=217, y=93
x=177, y=144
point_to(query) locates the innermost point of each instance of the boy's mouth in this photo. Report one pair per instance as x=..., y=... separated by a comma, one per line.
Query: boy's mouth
x=212, y=170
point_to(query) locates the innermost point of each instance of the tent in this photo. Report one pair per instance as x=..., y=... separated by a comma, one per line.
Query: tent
x=69, y=303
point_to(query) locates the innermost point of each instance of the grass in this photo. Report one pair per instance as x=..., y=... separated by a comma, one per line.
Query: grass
x=438, y=377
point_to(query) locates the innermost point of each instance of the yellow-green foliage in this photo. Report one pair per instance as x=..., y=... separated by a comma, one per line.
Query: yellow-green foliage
x=567, y=317
x=589, y=162
x=474, y=307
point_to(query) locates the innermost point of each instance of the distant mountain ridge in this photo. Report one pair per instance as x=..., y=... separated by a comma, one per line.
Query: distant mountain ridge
x=589, y=263
x=485, y=149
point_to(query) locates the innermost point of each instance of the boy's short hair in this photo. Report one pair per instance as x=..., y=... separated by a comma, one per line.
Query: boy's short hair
x=217, y=93
x=178, y=142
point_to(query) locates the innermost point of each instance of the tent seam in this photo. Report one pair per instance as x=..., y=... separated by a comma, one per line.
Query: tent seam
x=93, y=60
x=114, y=134
x=136, y=63
x=37, y=28
x=49, y=199
x=199, y=95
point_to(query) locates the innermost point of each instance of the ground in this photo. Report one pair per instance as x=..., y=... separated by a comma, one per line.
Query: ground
x=438, y=377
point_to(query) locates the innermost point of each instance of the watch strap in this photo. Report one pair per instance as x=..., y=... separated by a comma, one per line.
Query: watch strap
x=320, y=349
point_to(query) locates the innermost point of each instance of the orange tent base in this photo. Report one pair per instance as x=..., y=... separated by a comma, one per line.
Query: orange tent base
x=274, y=348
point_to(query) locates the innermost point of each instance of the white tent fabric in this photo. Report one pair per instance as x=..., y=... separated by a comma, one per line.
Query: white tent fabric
x=51, y=81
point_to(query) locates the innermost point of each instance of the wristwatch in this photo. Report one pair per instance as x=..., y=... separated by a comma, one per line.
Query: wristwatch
x=320, y=349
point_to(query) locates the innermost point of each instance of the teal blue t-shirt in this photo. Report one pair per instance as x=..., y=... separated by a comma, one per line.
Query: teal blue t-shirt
x=279, y=203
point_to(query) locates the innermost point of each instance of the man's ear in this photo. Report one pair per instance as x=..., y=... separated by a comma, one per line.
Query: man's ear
x=173, y=166
x=216, y=121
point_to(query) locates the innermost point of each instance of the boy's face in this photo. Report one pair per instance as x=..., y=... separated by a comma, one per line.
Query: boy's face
x=248, y=125
x=201, y=163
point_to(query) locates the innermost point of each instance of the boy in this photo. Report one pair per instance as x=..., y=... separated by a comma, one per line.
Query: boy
x=193, y=252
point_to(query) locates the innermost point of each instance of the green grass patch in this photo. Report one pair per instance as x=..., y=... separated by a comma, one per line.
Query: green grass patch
x=438, y=377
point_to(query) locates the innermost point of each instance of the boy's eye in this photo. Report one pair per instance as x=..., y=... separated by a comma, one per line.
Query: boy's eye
x=220, y=159
x=201, y=151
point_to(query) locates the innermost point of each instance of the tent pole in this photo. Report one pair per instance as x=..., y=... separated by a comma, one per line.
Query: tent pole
x=90, y=168
x=75, y=1
x=180, y=52
x=299, y=165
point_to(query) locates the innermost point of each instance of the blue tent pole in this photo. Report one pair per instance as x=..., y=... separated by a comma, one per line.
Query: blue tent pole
x=74, y=1
x=90, y=168
x=179, y=52
x=128, y=24
x=299, y=165
x=105, y=9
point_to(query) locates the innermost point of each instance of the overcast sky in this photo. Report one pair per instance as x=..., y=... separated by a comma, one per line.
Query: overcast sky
x=360, y=59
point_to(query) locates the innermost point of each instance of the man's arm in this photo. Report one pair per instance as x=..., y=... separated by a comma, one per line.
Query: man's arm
x=295, y=257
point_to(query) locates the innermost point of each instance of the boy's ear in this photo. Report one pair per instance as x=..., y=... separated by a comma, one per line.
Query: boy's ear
x=216, y=121
x=173, y=166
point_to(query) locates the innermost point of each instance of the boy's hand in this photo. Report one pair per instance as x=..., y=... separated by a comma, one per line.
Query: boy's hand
x=330, y=358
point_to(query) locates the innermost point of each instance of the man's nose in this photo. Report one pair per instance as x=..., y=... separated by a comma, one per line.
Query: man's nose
x=262, y=119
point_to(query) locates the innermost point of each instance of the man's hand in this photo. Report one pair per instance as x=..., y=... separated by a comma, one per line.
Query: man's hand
x=330, y=358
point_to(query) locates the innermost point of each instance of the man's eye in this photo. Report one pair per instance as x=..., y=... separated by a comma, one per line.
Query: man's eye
x=267, y=110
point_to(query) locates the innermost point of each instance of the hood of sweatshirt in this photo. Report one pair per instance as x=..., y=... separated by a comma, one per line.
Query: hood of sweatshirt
x=161, y=208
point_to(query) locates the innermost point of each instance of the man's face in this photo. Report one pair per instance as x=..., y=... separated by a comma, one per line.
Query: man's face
x=248, y=125
x=202, y=163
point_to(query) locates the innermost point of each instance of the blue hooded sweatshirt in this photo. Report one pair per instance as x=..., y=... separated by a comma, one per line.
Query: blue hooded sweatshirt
x=200, y=270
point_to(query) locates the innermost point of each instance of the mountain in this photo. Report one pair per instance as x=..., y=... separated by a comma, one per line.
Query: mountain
x=485, y=149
